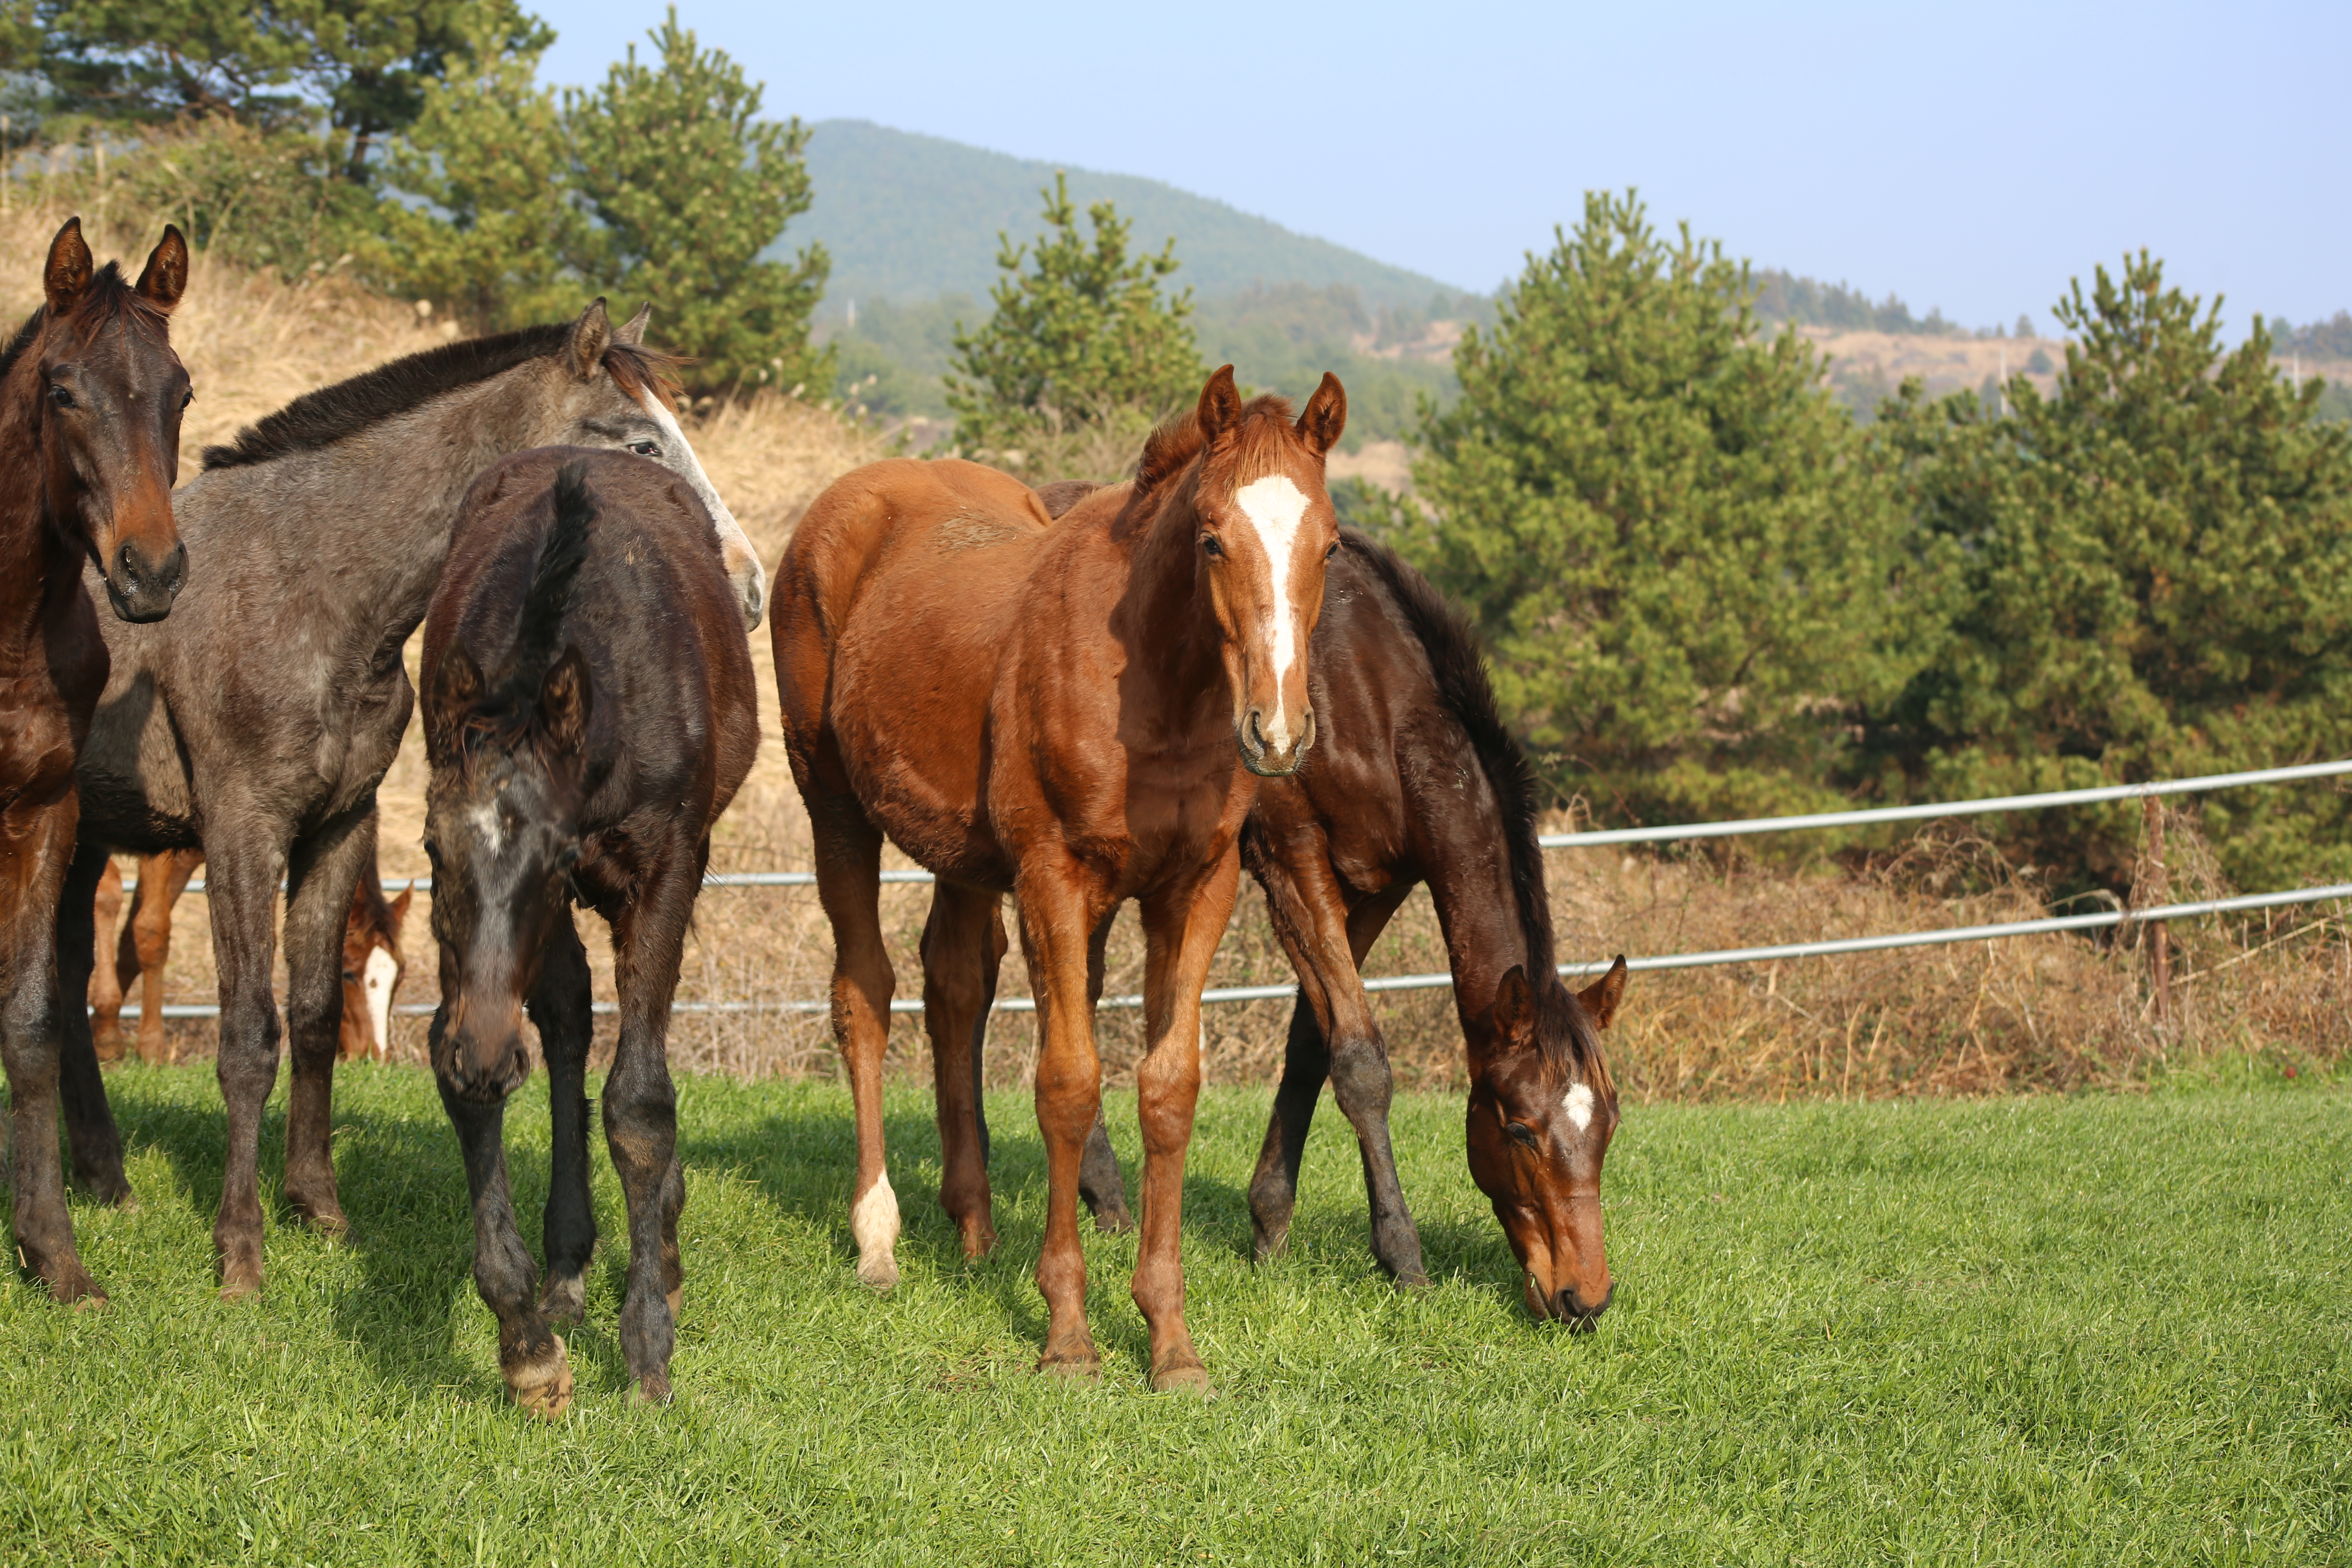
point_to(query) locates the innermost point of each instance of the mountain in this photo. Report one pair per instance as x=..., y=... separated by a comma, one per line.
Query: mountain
x=912, y=217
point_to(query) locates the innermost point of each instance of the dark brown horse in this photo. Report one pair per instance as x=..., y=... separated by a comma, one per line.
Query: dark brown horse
x=1081, y=715
x=589, y=711
x=90, y=396
x=1421, y=782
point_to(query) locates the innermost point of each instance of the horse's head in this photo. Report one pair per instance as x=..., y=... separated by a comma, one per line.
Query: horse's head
x=617, y=393
x=501, y=826
x=111, y=392
x=373, y=967
x=1543, y=1109
x=1263, y=529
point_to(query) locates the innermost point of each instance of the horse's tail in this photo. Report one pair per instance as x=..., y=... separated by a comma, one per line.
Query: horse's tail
x=539, y=639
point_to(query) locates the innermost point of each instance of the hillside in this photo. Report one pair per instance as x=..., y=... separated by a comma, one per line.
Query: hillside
x=915, y=218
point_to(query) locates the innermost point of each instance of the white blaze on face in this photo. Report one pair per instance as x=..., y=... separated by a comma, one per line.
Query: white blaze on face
x=486, y=823
x=1578, y=1105
x=734, y=546
x=376, y=980
x=1275, y=507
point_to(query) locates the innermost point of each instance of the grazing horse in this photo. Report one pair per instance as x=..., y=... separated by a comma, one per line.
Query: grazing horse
x=91, y=397
x=1421, y=782
x=1080, y=714
x=373, y=962
x=257, y=723
x=589, y=712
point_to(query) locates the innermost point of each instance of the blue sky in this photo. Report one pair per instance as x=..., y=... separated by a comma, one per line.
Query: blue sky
x=1972, y=158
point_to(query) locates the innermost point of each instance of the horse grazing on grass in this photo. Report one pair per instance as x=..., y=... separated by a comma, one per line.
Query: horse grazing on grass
x=589, y=712
x=1080, y=714
x=256, y=723
x=373, y=962
x=91, y=397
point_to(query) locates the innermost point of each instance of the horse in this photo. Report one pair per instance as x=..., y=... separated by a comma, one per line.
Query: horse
x=1080, y=714
x=1421, y=782
x=589, y=712
x=257, y=723
x=91, y=399
x=373, y=962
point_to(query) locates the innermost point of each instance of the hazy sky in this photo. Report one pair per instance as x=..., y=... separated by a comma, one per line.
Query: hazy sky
x=1969, y=157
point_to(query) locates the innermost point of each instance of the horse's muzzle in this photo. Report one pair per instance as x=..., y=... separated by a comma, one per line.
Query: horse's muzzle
x=141, y=589
x=1262, y=757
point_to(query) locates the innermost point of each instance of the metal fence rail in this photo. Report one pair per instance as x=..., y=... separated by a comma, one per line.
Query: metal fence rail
x=1927, y=812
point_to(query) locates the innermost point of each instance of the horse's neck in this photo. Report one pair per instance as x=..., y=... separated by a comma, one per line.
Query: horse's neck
x=36, y=561
x=1469, y=878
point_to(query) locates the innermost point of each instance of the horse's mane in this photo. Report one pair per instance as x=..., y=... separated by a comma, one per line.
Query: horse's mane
x=1460, y=668
x=323, y=417
x=538, y=631
x=24, y=338
x=1265, y=421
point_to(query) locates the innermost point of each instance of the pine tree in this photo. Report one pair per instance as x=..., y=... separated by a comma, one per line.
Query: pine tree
x=689, y=187
x=1082, y=343
x=1685, y=558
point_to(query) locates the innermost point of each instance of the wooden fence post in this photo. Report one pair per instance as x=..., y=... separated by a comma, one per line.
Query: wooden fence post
x=2159, y=937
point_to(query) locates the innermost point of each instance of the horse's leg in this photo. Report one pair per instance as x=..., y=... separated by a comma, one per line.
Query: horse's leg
x=149, y=940
x=958, y=985
x=849, y=885
x=35, y=844
x=641, y=1108
x=241, y=882
x=1056, y=927
x=561, y=1008
x=531, y=1357
x=326, y=867
x=993, y=966
x=1100, y=1186
x=90, y=1133
x=106, y=980
x=1181, y=929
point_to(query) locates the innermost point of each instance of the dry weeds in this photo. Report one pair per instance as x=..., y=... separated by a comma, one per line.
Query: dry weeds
x=2041, y=1013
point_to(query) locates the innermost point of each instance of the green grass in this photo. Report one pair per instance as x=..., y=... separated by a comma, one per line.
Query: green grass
x=2034, y=1330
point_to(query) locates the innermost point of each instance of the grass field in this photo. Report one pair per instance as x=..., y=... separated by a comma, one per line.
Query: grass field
x=2039, y=1330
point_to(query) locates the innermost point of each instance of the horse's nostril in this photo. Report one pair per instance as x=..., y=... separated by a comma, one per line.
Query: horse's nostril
x=1255, y=731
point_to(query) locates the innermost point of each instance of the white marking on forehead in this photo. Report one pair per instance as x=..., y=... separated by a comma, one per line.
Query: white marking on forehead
x=1275, y=507
x=734, y=546
x=1578, y=1105
x=376, y=980
x=485, y=818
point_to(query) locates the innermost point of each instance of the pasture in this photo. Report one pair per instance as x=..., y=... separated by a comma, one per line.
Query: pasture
x=2029, y=1330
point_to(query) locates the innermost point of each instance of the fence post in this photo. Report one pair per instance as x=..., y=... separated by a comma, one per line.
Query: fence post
x=2159, y=937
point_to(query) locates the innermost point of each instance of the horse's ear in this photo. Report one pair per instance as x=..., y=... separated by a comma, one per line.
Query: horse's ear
x=399, y=908
x=1326, y=415
x=68, y=269
x=1221, y=406
x=563, y=704
x=632, y=330
x=457, y=687
x=592, y=335
x=1601, y=997
x=166, y=276
x=1515, y=1011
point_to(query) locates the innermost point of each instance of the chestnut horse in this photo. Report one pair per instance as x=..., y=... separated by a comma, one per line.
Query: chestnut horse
x=91, y=397
x=373, y=963
x=1080, y=714
x=589, y=711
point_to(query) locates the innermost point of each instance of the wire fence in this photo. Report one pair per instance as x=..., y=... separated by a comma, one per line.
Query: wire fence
x=1683, y=832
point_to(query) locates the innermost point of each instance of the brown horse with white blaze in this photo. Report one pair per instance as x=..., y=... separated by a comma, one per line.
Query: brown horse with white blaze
x=1079, y=714
x=91, y=397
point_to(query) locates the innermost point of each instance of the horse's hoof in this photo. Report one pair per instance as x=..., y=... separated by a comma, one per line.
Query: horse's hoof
x=1409, y=1279
x=978, y=1240
x=543, y=1386
x=74, y=1287
x=653, y=1389
x=564, y=1301
x=1192, y=1379
x=1114, y=1221
x=110, y=1188
x=240, y=1281
x=1266, y=1247
x=1086, y=1368
x=328, y=1223
x=879, y=1272
x=677, y=1299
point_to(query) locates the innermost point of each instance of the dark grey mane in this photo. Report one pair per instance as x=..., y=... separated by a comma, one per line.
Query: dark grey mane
x=1460, y=666
x=323, y=417
x=25, y=337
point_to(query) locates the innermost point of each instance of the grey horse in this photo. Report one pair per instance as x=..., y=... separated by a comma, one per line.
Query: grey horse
x=257, y=723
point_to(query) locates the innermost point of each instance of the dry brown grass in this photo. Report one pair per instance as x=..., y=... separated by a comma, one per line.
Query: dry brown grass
x=2043, y=1013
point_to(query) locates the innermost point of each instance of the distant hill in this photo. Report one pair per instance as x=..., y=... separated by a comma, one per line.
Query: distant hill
x=910, y=217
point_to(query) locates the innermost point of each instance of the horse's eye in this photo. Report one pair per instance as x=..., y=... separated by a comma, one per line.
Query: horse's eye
x=1333, y=551
x=187, y=397
x=646, y=449
x=1521, y=1133
x=351, y=976
x=1216, y=551
x=60, y=398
